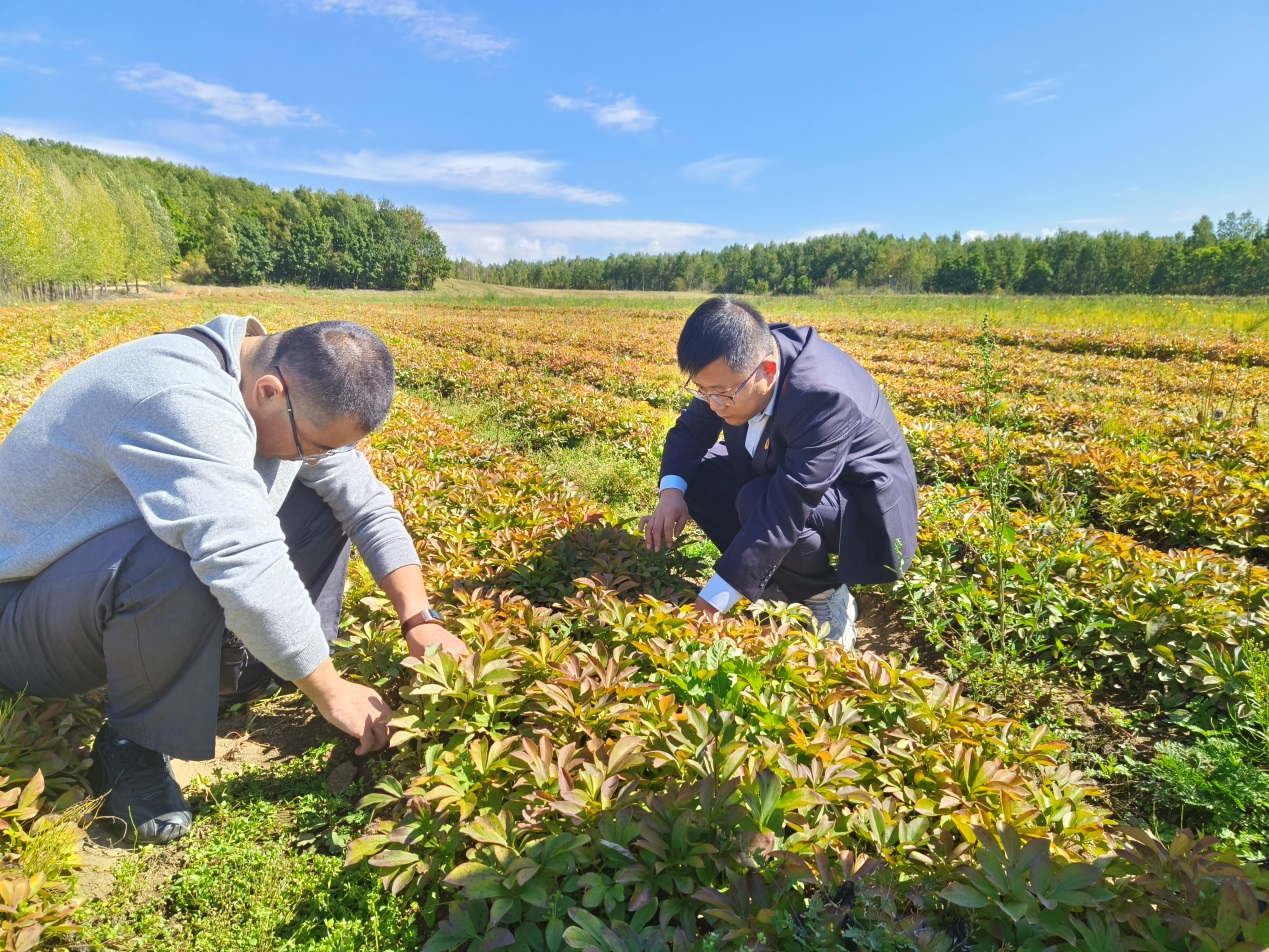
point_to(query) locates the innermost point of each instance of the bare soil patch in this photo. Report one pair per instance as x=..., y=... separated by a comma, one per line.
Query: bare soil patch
x=882, y=630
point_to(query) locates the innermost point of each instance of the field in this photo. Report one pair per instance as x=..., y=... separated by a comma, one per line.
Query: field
x=1056, y=736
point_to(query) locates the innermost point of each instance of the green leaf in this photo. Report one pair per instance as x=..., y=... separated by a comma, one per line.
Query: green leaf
x=554, y=935
x=487, y=829
x=467, y=875
x=1015, y=909
x=535, y=894
x=500, y=908
x=587, y=920
x=799, y=798
x=768, y=803
x=1070, y=881
x=960, y=894
x=443, y=942
x=363, y=847
x=578, y=938
x=390, y=858
x=497, y=939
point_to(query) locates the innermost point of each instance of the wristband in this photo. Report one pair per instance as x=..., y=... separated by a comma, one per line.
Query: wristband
x=424, y=617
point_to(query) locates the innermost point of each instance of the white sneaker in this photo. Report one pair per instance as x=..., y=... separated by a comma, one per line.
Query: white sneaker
x=838, y=609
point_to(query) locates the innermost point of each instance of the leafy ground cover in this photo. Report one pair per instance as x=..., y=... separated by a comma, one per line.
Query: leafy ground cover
x=1091, y=597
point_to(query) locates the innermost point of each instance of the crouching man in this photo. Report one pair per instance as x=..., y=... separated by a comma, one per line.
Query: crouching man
x=183, y=504
x=812, y=464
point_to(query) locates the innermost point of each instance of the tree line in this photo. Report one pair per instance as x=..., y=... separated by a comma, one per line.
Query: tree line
x=1228, y=257
x=74, y=221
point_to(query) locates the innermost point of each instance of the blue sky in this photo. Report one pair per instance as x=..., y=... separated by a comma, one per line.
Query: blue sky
x=540, y=129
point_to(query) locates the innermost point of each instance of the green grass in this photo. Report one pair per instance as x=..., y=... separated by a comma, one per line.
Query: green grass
x=262, y=869
x=623, y=480
x=1219, y=317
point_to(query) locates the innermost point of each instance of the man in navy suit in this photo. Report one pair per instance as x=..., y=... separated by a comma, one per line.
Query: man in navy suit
x=813, y=463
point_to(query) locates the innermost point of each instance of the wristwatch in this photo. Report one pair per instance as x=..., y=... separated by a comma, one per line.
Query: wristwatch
x=424, y=617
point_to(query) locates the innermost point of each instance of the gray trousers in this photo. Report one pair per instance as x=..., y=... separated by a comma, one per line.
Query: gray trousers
x=126, y=611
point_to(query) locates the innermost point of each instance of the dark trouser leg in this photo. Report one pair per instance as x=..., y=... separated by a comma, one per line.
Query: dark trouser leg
x=711, y=498
x=719, y=502
x=806, y=569
x=124, y=610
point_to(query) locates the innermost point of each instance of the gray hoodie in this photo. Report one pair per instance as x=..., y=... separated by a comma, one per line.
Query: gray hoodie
x=156, y=429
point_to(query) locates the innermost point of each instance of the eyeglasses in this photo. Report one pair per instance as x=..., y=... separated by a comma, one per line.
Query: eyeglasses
x=300, y=455
x=724, y=399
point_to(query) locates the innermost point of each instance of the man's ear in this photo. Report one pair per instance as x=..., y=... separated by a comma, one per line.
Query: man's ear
x=266, y=387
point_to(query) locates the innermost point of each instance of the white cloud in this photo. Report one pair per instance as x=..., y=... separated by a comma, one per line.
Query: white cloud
x=8, y=62
x=502, y=172
x=28, y=37
x=621, y=113
x=543, y=240
x=220, y=101
x=444, y=34
x=1041, y=90
x=39, y=129
x=974, y=234
x=625, y=115
x=727, y=170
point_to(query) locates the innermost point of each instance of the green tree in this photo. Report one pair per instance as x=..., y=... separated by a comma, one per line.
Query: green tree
x=964, y=275
x=1202, y=235
x=1038, y=278
x=1235, y=227
x=23, y=202
x=108, y=241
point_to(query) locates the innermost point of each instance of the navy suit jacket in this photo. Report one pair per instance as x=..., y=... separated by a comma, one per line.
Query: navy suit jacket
x=831, y=427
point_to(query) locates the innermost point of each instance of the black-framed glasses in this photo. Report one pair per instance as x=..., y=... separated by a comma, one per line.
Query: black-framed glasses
x=300, y=455
x=724, y=399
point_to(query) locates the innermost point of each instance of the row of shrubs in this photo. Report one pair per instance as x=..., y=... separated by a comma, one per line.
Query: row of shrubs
x=606, y=772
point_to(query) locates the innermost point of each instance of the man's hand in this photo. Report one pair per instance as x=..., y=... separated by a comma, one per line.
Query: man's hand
x=708, y=610
x=666, y=522
x=353, y=708
x=422, y=637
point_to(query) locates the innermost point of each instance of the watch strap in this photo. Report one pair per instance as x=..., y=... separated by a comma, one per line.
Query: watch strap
x=423, y=617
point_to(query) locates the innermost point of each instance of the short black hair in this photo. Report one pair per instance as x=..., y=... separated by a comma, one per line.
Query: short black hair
x=723, y=328
x=340, y=369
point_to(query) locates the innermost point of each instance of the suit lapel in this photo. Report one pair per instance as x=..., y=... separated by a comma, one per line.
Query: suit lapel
x=734, y=436
x=762, y=451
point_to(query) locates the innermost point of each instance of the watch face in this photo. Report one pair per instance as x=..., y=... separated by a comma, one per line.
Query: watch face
x=433, y=614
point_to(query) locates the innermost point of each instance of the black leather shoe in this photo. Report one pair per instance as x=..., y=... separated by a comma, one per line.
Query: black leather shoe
x=140, y=792
x=255, y=683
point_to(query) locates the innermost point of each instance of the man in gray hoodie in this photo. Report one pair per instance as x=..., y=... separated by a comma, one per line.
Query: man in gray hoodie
x=173, y=490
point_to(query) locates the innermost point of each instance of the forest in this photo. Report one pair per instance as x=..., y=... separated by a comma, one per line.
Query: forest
x=74, y=221
x=1230, y=256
